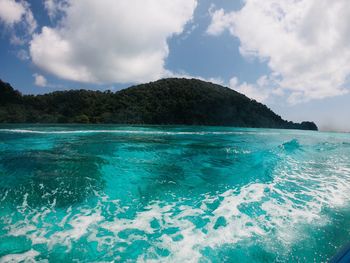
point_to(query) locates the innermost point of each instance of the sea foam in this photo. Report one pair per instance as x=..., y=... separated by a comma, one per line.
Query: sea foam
x=140, y=211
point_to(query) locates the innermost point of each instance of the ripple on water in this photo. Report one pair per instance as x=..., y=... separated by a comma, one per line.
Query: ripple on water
x=246, y=197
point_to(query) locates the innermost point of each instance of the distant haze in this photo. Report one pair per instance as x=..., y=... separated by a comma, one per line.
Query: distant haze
x=331, y=114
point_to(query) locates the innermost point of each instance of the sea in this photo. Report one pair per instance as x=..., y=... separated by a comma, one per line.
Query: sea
x=111, y=193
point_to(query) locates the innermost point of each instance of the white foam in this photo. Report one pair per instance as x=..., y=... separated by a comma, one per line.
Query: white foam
x=280, y=220
x=28, y=257
x=24, y=205
x=194, y=239
x=4, y=197
x=80, y=225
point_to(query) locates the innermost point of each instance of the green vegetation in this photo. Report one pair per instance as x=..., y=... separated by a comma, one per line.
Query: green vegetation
x=167, y=101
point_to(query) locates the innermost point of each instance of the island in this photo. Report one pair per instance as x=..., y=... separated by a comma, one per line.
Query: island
x=171, y=101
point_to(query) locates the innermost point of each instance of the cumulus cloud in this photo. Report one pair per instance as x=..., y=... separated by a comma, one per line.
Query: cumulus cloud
x=17, y=15
x=40, y=80
x=110, y=41
x=305, y=43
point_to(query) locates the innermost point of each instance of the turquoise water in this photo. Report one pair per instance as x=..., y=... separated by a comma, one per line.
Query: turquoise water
x=172, y=194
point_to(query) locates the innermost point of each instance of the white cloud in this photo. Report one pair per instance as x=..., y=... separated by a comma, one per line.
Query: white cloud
x=54, y=7
x=220, y=21
x=40, y=80
x=304, y=42
x=11, y=12
x=17, y=14
x=233, y=84
x=110, y=41
x=22, y=54
x=260, y=91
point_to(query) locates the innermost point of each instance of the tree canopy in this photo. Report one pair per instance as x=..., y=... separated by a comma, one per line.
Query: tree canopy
x=166, y=101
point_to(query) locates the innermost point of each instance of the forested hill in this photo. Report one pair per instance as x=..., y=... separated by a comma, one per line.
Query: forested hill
x=166, y=101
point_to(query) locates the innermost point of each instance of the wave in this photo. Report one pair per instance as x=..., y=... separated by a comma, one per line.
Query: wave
x=275, y=217
x=291, y=145
x=275, y=213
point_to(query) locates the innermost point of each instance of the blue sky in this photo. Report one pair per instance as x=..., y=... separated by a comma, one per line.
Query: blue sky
x=278, y=52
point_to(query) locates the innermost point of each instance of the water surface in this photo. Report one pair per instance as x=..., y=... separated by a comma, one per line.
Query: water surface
x=172, y=194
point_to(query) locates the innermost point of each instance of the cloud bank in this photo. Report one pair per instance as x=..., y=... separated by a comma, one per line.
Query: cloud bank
x=303, y=42
x=110, y=41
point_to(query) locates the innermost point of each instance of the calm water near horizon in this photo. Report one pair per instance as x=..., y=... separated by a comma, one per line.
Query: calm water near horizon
x=172, y=194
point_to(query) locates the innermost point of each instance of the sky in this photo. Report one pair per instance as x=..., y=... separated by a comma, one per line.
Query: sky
x=292, y=55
